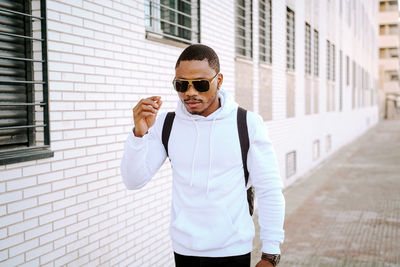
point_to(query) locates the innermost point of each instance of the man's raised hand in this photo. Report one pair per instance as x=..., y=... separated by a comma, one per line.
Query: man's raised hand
x=144, y=114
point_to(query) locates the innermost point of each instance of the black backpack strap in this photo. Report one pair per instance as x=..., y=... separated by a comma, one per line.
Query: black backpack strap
x=166, y=131
x=244, y=146
x=243, y=138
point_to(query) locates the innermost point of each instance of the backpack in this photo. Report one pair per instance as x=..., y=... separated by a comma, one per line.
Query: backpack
x=244, y=146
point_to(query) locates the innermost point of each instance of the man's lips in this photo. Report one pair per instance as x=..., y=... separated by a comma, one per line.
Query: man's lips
x=192, y=104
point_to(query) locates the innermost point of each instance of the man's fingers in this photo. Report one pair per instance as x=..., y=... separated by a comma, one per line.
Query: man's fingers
x=145, y=114
x=153, y=103
x=148, y=108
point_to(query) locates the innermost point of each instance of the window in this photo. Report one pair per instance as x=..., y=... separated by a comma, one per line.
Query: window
x=392, y=29
x=316, y=53
x=330, y=61
x=347, y=70
x=354, y=85
x=382, y=52
x=316, y=149
x=333, y=76
x=382, y=29
x=265, y=16
x=382, y=6
x=392, y=76
x=244, y=33
x=24, y=113
x=176, y=20
x=290, y=40
x=290, y=164
x=328, y=143
x=388, y=6
x=307, y=49
x=392, y=6
x=348, y=13
x=393, y=52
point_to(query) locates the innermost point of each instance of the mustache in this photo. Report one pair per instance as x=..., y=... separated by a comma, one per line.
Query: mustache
x=192, y=99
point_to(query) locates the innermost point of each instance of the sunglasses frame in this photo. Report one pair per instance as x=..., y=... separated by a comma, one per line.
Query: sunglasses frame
x=191, y=83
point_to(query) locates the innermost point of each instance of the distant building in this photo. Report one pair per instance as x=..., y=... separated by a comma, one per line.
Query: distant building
x=389, y=61
x=309, y=68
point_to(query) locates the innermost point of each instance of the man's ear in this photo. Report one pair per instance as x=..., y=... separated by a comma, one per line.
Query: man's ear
x=220, y=80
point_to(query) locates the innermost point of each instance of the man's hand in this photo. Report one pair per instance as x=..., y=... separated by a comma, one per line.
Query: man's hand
x=263, y=263
x=144, y=114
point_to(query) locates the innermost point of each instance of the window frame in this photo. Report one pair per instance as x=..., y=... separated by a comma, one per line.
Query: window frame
x=245, y=51
x=265, y=41
x=290, y=40
x=37, y=147
x=307, y=49
x=316, y=53
x=154, y=22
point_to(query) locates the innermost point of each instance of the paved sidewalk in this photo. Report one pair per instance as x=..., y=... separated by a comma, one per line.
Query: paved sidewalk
x=347, y=212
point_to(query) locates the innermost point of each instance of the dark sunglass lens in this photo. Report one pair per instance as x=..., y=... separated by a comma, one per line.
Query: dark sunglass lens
x=181, y=86
x=201, y=86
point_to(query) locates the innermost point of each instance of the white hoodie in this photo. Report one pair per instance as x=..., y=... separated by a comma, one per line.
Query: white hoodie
x=209, y=212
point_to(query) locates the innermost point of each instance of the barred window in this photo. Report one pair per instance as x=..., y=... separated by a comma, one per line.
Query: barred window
x=333, y=69
x=393, y=29
x=354, y=74
x=244, y=33
x=265, y=16
x=328, y=60
x=316, y=53
x=347, y=70
x=291, y=164
x=24, y=111
x=307, y=49
x=176, y=20
x=290, y=40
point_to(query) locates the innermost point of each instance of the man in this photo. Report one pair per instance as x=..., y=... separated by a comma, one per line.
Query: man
x=210, y=220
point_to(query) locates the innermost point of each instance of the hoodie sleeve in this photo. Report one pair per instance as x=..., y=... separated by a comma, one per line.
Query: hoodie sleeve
x=265, y=177
x=143, y=156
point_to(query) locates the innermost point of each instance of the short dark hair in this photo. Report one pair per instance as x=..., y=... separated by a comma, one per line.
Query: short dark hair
x=200, y=52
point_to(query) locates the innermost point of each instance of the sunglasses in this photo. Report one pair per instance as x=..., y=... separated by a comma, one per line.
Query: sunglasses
x=201, y=86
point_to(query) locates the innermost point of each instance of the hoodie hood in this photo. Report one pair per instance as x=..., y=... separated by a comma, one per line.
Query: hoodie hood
x=228, y=105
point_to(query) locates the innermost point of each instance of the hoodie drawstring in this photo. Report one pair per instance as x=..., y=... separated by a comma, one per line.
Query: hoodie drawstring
x=195, y=151
x=210, y=155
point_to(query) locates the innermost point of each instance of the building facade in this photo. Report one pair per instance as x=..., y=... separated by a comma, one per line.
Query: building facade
x=309, y=68
x=389, y=63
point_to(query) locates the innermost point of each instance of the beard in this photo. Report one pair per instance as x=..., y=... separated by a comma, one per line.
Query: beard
x=206, y=105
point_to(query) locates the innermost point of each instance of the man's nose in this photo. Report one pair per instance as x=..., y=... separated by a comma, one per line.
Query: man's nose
x=191, y=90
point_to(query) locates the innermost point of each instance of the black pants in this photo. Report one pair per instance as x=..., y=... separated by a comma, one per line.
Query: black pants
x=192, y=261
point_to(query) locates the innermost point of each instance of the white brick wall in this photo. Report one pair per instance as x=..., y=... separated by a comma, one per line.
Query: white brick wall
x=72, y=209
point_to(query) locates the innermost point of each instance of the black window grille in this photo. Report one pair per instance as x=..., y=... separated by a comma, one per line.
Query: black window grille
x=333, y=61
x=307, y=49
x=290, y=40
x=328, y=60
x=316, y=53
x=265, y=31
x=347, y=70
x=177, y=20
x=244, y=32
x=24, y=108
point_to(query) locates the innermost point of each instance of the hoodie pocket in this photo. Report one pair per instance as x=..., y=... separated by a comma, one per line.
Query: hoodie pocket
x=203, y=229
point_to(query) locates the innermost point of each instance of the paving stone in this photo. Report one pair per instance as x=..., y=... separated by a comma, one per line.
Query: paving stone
x=346, y=212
